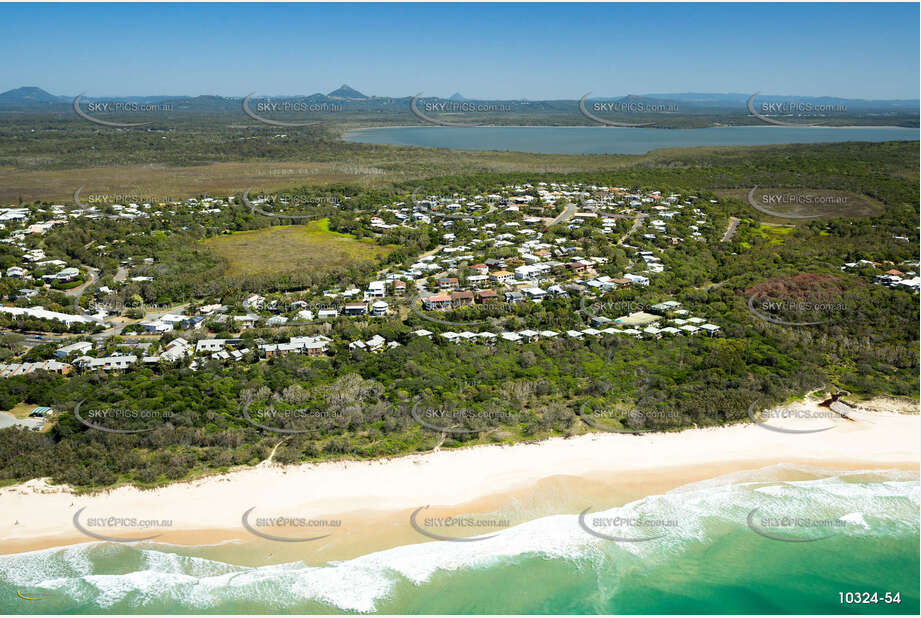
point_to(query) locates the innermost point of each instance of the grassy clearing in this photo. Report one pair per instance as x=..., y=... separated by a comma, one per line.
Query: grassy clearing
x=774, y=233
x=21, y=410
x=290, y=248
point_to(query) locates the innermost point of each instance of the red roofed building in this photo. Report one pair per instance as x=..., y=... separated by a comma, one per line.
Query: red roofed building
x=438, y=302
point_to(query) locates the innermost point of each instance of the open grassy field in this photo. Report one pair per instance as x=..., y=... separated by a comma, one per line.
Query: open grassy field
x=270, y=165
x=21, y=410
x=290, y=248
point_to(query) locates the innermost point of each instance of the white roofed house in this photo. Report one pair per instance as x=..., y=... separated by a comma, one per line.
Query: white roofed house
x=210, y=345
x=530, y=335
x=637, y=279
x=41, y=313
x=80, y=347
x=156, y=326
x=312, y=346
x=379, y=308
x=254, y=302
x=246, y=321
x=376, y=289
x=535, y=294
x=106, y=363
x=176, y=350
x=375, y=343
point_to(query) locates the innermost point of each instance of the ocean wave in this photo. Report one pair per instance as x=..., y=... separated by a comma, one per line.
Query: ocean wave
x=868, y=503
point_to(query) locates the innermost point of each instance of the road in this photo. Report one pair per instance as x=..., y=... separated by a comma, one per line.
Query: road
x=730, y=229
x=636, y=225
x=78, y=291
x=566, y=215
x=117, y=329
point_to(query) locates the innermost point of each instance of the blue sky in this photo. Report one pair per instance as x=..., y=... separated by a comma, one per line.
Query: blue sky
x=534, y=51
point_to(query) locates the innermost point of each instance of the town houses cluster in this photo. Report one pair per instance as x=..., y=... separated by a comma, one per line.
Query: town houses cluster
x=497, y=251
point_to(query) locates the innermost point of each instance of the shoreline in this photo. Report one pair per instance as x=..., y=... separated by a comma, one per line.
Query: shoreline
x=373, y=499
x=346, y=134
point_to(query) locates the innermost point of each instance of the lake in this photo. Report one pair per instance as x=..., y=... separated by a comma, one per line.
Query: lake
x=616, y=140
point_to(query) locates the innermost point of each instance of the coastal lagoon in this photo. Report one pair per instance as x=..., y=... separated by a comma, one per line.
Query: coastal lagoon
x=616, y=140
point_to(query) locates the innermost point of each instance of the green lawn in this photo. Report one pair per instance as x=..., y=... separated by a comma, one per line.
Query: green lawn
x=289, y=248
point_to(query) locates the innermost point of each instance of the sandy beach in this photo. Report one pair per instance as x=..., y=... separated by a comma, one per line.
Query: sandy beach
x=372, y=501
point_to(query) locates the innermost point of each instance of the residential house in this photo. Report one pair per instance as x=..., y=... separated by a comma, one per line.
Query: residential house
x=20, y=369
x=486, y=296
x=80, y=347
x=438, y=302
x=376, y=289
x=107, y=363
x=247, y=321
x=379, y=308
x=353, y=309
x=462, y=298
x=637, y=279
x=534, y=294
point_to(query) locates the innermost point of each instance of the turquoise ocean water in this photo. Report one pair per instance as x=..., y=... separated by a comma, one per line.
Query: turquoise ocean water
x=708, y=560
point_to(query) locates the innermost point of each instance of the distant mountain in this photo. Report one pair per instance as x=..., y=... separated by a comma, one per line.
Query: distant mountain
x=736, y=99
x=29, y=94
x=647, y=100
x=458, y=97
x=346, y=92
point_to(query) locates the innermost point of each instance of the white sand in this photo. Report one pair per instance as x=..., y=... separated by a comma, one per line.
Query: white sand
x=36, y=510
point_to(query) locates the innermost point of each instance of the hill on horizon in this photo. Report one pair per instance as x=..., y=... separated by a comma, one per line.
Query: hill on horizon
x=346, y=92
